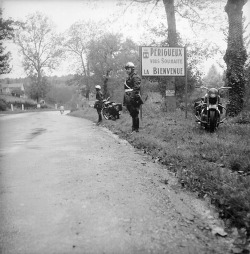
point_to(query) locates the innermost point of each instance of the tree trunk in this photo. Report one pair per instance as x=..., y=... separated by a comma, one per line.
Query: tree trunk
x=170, y=11
x=235, y=56
x=170, y=101
x=105, y=84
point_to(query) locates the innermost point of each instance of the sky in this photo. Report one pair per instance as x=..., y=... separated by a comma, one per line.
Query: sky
x=65, y=12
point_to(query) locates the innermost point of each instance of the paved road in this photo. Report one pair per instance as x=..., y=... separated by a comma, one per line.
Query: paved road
x=68, y=186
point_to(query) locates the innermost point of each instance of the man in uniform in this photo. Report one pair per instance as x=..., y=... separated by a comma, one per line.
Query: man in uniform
x=132, y=98
x=98, y=103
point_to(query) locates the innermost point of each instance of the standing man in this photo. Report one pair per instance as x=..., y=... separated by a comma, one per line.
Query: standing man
x=132, y=98
x=98, y=103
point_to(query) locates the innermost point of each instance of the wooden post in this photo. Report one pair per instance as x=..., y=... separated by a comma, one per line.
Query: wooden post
x=185, y=50
x=140, y=73
x=170, y=95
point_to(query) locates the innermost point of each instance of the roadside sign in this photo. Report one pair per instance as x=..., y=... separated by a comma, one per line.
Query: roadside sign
x=170, y=92
x=163, y=61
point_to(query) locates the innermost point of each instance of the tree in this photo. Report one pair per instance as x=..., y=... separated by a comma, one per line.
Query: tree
x=107, y=58
x=40, y=47
x=77, y=42
x=213, y=78
x=6, y=33
x=37, y=90
x=60, y=94
x=235, y=56
x=189, y=10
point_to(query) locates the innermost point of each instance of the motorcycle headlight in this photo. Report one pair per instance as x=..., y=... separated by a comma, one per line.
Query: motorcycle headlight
x=212, y=95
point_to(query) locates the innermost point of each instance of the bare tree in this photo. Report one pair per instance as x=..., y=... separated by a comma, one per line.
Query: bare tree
x=76, y=43
x=40, y=47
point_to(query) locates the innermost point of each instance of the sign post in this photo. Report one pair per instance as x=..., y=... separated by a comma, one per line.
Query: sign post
x=163, y=62
x=141, y=87
x=186, y=83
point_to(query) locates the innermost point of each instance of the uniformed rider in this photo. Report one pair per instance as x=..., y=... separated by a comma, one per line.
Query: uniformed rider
x=132, y=98
x=98, y=103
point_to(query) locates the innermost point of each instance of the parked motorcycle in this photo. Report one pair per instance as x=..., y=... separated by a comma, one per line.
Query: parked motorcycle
x=61, y=110
x=111, y=110
x=208, y=111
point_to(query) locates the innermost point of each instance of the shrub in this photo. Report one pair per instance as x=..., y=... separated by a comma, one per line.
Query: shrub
x=18, y=102
x=44, y=106
x=3, y=105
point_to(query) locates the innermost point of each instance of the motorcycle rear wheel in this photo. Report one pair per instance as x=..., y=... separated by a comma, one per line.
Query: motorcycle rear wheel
x=105, y=113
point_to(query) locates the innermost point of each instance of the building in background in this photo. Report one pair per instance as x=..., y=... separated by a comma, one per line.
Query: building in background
x=15, y=89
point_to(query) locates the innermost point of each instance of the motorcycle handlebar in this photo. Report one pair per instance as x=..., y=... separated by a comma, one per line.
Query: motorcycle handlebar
x=106, y=99
x=223, y=87
x=128, y=90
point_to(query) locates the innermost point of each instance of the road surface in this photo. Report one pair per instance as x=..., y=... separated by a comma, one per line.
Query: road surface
x=68, y=186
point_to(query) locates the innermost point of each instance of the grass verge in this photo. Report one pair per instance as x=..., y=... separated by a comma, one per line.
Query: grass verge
x=215, y=165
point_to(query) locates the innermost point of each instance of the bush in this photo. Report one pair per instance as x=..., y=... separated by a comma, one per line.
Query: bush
x=3, y=105
x=17, y=102
x=44, y=106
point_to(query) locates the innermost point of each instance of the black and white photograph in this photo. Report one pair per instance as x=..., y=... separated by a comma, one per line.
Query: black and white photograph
x=124, y=126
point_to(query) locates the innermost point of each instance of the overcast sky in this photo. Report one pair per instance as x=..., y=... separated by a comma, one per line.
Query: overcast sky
x=65, y=12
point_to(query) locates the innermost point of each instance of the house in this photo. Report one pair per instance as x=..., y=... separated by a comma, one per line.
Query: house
x=8, y=88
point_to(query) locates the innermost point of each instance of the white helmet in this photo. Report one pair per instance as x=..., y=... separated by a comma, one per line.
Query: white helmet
x=98, y=87
x=129, y=65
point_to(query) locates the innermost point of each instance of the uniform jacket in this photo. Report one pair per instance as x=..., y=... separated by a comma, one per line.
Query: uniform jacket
x=133, y=82
x=99, y=96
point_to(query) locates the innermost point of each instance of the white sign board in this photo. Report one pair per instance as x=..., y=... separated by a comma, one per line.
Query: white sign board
x=163, y=61
x=170, y=92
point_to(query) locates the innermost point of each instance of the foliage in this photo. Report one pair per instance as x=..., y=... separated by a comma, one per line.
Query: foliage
x=82, y=84
x=59, y=94
x=41, y=50
x=107, y=57
x=213, y=78
x=3, y=105
x=77, y=41
x=6, y=33
x=6, y=102
x=35, y=89
x=17, y=92
x=39, y=45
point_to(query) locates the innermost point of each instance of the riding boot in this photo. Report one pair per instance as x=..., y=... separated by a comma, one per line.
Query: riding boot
x=137, y=124
x=133, y=124
x=99, y=116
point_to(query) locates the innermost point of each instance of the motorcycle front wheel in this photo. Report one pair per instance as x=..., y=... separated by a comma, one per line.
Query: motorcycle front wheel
x=105, y=113
x=212, y=121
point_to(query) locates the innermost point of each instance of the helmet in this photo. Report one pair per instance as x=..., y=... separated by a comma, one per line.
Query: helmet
x=129, y=65
x=97, y=87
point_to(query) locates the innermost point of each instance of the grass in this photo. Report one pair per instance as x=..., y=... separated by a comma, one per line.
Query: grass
x=216, y=165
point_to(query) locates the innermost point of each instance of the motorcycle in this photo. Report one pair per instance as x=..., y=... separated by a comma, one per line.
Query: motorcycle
x=61, y=110
x=208, y=111
x=111, y=110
